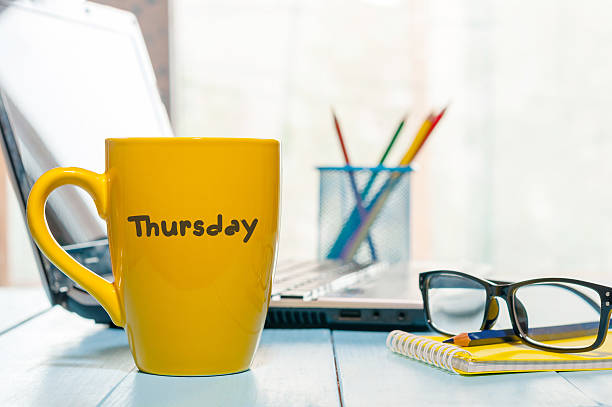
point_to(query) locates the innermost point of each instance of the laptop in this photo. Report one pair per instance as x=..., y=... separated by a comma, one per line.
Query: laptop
x=78, y=71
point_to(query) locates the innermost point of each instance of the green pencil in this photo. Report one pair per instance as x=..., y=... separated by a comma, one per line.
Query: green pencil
x=397, y=132
x=354, y=219
x=368, y=186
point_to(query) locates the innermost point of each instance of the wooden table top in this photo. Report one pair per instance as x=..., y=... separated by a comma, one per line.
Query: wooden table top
x=49, y=356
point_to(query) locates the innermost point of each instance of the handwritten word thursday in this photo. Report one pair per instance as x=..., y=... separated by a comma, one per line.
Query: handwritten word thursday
x=144, y=225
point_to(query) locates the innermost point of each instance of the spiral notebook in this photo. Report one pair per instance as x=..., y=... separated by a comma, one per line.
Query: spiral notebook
x=496, y=358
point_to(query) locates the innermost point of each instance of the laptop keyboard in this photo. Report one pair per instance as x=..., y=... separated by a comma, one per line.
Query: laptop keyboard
x=310, y=279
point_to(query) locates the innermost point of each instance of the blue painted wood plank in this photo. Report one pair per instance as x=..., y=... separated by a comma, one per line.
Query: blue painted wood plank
x=291, y=368
x=19, y=304
x=596, y=384
x=370, y=374
x=60, y=359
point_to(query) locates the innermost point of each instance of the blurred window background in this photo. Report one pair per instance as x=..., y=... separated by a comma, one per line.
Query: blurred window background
x=515, y=176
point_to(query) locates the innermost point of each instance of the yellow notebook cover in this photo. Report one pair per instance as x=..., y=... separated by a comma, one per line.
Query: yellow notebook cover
x=495, y=358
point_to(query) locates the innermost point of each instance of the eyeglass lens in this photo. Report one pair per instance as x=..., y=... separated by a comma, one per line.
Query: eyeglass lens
x=559, y=315
x=456, y=303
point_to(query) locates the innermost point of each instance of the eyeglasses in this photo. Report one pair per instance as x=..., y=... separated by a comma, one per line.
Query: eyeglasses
x=554, y=314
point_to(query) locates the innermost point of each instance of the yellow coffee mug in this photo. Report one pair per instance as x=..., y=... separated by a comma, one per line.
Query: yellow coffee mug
x=192, y=227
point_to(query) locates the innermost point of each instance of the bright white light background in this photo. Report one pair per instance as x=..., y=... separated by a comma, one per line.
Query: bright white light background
x=517, y=175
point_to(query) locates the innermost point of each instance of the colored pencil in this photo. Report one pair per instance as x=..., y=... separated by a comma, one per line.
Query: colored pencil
x=359, y=202
x=354, y=218
x=486, y=337
x=418, y=142
x=541, y=334
x=392, y=142
x=353, y=243
x=379, y=200
x=366, y=190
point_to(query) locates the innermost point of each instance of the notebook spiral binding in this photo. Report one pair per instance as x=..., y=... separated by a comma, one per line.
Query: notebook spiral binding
x=426, y=350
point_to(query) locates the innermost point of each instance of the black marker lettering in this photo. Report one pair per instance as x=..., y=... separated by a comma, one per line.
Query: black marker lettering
x=215, y=228
x=143, y=224
x=249, y=228
x=233, y=228
x=184, y=224
x=198, y=230
x=173, y=230
x=151, y=226
x=137, y=220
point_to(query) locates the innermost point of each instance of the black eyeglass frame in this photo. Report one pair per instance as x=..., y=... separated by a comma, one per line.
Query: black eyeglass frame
x=507, y=291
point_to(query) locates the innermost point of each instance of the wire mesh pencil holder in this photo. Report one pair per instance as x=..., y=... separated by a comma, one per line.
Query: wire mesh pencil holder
x=384, y=197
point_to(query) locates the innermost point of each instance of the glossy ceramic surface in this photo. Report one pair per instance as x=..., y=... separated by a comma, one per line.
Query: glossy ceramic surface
x=192, y=226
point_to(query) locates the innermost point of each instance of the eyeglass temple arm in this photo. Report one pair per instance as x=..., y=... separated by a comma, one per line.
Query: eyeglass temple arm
x=582, y=295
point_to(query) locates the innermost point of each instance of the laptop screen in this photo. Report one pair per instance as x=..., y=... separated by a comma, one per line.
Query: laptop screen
x=73, y=74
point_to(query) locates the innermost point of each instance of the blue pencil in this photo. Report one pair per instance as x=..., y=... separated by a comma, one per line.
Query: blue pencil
x=356, y=217
x=359, y=202
x=545, y=333
x=486, y=337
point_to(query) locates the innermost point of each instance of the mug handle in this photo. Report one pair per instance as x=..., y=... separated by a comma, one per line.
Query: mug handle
x=95, y=184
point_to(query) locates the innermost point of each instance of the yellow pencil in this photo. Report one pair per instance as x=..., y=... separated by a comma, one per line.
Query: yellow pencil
x=354, y=243
x=417, y=142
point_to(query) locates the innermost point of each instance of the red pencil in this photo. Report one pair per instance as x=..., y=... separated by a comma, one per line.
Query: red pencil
x=356, y=192
x=433, y=126
x=339, y=132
